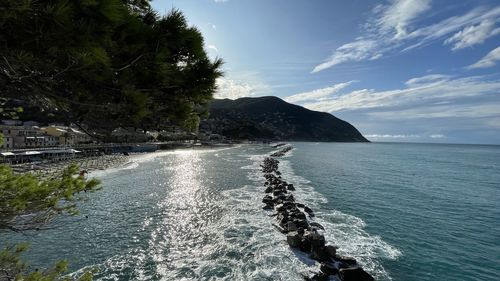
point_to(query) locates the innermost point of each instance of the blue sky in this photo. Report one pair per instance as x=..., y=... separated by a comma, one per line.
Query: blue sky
x=407, y=70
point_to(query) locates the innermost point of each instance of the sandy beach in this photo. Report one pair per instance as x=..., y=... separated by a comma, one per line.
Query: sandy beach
x=89, y=164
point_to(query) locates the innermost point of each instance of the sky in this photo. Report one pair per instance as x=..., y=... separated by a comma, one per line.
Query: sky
x=398, y=70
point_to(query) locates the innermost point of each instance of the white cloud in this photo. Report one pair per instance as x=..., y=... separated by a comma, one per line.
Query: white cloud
x=427, y=34
x=489, y=60
x=213, y=47
x=488, y=110
x=413, y=95
x=389, y=136
x=437, y=136
x=213, y=26
x=234, y=89
x=355, y=51
x=318, y=94
x=220, y=1
x=402, y=136
x=392, y=28
x=428, y=79
x=473, y=35
x=398, y=16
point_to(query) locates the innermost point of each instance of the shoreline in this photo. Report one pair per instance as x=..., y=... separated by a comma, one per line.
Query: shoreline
x=92, y=164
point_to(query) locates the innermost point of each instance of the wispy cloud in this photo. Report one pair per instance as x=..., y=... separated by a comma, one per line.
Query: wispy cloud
x=427, y=79
x=394, y=28
x=473, y=35
x=419, y=91
x=489, y=60
x=318, y=94
x=213, y=47
x=389, y=136
x=396, y=17
x=359, y=50
x=437, y=136
x=234, y=89
x=220, y=1
x=427, y=34
x=402, y=137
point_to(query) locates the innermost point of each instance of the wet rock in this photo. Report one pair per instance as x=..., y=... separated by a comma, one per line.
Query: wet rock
x=346, y=260
x=278, y=193
x=280, y=208
x=317, y=239
x=290, y=226
x=332, y=250
x=301, y=223
x=293, y=239
x=299, y=215
x=354, y=274
x=320, y=276
x=268, y=206
x=267, y=199
x=309, y=211
x=329, y=268
x=315, y=224
x=305, y=244
x=290, y=187
x=319, y=253
x=301, y=230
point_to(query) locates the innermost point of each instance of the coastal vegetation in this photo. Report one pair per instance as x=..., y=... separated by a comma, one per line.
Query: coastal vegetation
x=29, y=203
x=270, y=118
x=102, y=64
x=99, y=64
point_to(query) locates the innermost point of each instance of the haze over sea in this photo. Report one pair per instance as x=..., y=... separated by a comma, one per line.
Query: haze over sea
x=404, y=211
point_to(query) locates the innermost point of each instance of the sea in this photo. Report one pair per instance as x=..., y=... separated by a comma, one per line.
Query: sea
x=403, y=211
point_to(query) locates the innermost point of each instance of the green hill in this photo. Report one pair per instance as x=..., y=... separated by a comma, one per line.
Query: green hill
x=274, y=119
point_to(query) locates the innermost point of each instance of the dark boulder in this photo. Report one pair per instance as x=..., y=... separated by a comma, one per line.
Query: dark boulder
x=290, y=226
x=320, y=276
x=346, y=260
x=329, y=268
x=354, y=274
x=268, y=206
x=267, y=199
x=319, y=253
x=332, y=250
x=293, y=239
x=315, y=224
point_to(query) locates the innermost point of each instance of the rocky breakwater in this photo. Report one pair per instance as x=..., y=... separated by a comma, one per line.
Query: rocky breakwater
x=295, y=220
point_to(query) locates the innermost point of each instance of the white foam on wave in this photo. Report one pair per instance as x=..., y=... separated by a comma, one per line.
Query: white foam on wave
x=243, y=244
x=344, y=230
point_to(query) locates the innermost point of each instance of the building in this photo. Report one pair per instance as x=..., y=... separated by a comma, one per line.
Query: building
x=25, y=137
x=8, y=142
x=67, y=135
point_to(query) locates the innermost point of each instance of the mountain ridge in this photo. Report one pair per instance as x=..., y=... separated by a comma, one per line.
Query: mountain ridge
x=272, y=118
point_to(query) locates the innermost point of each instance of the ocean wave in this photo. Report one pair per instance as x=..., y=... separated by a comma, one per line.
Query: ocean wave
x=344, y=230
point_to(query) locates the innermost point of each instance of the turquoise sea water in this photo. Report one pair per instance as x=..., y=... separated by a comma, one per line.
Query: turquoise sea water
x=404, y=211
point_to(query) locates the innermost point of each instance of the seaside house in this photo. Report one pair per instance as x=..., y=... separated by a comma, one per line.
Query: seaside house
x=67, y=135
x=8, y=142
x=26, y=137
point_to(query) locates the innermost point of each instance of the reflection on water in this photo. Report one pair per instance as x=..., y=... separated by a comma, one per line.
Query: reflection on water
x=185, y=215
